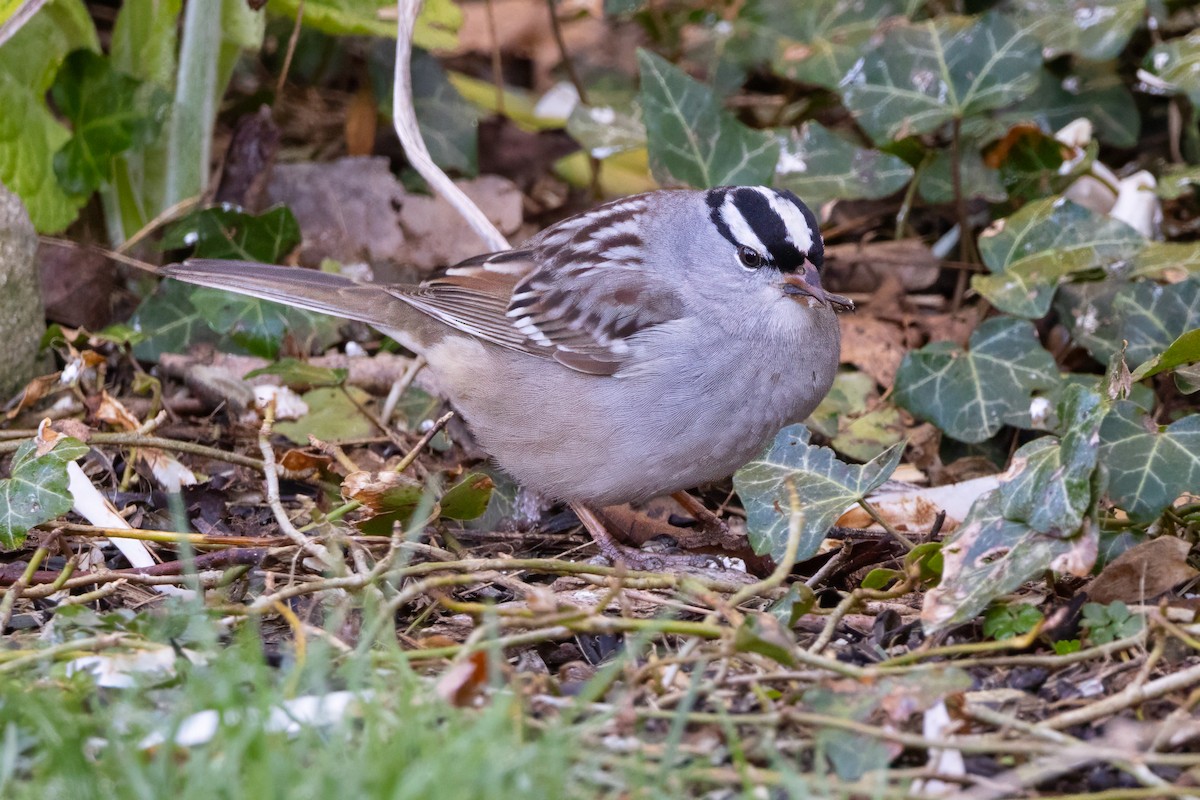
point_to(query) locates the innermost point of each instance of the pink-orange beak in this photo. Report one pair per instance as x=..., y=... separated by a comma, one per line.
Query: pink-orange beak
x=806, y=282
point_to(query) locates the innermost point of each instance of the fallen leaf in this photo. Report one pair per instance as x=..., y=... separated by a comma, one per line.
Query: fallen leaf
x=1144, y=571
x=873, y=346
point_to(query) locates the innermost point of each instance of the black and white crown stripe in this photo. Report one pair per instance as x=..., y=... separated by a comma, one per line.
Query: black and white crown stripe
x=775, y=223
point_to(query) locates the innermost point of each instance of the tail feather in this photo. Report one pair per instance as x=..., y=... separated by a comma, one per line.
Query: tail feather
x=309, y=289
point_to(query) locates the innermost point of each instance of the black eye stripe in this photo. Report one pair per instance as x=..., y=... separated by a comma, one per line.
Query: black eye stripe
x=766, y=224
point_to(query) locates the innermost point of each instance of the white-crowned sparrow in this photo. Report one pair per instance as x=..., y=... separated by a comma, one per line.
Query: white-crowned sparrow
x=644, y=347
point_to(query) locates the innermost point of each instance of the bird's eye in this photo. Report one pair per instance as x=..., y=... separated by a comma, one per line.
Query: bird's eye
x=750, y=258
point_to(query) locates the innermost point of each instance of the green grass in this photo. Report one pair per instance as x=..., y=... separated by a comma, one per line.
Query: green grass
x=63, y=737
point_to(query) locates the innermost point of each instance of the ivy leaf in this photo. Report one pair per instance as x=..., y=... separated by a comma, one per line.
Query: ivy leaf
x=1149, y=466
x=1052, y=489
x=36, y=490
x=692, y=139
x=1099, y=94
x=971, y=394
x=819, y=166
x=925, y=75
x=1097, y=30
x=449, y=124
x=936, y=183
x=989, y=556
x=259, y=326
x=1177, y=63
x=1178, y=180
x=168, y=322
x=1172, y=261
x=110, y=114
x=228, y=232
x=817, y=42
x=1046, y=241
x=1034, y=521
x=853, y=419
x=827, y=487
x=1181, y=352
x=1147, y=315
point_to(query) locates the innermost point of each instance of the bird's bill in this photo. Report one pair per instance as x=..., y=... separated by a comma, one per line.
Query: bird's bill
x=807, y=283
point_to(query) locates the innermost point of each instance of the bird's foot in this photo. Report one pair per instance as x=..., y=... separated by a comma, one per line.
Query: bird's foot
x=641, y=559
x=709, y=529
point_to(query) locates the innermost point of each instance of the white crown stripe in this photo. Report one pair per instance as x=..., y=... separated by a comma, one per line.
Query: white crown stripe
x=738, y=226
x=798, y=231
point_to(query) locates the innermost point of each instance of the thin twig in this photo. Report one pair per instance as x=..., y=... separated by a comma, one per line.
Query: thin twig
x=315, y=549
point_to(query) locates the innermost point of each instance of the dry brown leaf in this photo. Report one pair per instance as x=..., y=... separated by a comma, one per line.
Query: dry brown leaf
x=362, y=119
x=462, y=683
x=862, y=266
x=1144, y=571
x=873, y=346
x=35, y=390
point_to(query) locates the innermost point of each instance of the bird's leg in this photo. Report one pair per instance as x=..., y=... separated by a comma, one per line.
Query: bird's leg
x=634, y=558
x=710, y=531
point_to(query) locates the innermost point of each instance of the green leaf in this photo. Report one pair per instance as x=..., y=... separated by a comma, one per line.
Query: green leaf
x=469, y=498
x=169, y=322
x=936, y=183
x=231, y=233
x=1184, y=350
x=448, y=123
x=971, y=394
x=1178, y=180
x=1098, y=93
x=1177, y=63
x=1097, y=30
x=794, y=605
x=1111, y=622
x=29, y=135
x=817, y=42
x=1043, y=243
x=36, y=490
x=881, y=578
x=32, y=56
x=852, y=417
x=110, y=114
x=925, y=75
x=762, y=634
x=295, y=373
x=333, y=415
x=1147, y=315
x=1149, y=466
x=827, y=487
x=1005, y=622
x=436, y=28
x=259, y=326
x=1167, y=260
x=820, y=166
x=694, y=141
x=1051, y=489
x=989, y=556
x=605, y=130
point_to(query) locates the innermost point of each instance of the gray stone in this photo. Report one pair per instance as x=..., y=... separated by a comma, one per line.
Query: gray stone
x=21, y=315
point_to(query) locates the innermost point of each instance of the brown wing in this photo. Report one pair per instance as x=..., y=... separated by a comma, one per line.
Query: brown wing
x=580, y=312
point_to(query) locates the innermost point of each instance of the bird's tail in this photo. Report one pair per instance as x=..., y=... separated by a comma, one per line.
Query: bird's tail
x=309, y=289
